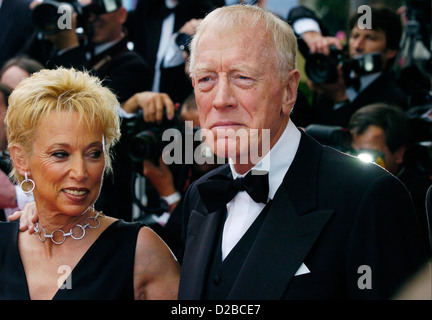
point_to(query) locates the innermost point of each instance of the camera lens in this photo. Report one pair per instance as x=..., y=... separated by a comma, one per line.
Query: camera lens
x=321, y=68
x=45, y=17
x=144, y=145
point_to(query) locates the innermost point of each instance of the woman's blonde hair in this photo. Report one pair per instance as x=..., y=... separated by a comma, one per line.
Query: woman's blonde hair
x=247, y=18
x=60, y=90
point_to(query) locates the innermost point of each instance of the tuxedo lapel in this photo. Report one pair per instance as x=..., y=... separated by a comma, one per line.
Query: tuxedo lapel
x=200, y=246
x=286, y=236
x=288, y=233
x=202, y=236
x=284, y=240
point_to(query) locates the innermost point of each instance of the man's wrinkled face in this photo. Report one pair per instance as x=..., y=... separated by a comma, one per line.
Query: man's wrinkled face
x=237, y=89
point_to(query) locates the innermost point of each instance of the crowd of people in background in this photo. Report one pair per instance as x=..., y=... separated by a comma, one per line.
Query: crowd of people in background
x=142, y=56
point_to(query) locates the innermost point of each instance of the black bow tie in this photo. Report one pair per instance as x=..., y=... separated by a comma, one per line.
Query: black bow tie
x=220, y=189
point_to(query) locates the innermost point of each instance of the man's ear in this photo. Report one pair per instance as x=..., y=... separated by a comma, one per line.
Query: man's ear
x=19, y=159
x=290, y=96
x=122, y=15
x=399, y=154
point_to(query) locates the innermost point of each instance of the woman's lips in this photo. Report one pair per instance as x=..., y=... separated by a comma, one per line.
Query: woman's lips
x=75, y=194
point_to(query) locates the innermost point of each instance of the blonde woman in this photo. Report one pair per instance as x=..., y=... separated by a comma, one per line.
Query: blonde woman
x=61, y=125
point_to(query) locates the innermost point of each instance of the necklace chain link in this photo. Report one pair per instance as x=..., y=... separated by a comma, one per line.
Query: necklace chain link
x=41, y=230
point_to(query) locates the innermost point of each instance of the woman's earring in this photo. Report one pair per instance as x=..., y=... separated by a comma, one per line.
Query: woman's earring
x=26, y=181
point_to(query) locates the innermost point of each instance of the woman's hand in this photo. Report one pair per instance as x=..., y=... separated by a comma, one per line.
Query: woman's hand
x=27, y=217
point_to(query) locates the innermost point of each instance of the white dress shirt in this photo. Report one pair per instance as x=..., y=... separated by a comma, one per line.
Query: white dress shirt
x=242, y=210
x=169, y=54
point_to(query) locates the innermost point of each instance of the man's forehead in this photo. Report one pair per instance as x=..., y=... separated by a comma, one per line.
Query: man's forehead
x=249, y=43
x=357, y=30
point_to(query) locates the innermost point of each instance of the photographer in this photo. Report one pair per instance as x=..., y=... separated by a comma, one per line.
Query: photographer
x=383, y=129
x=101, y=48
x=156, y=28
x=344, y=86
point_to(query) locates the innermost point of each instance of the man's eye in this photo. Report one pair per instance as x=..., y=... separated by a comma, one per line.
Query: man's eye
x=244, y=81
x=205, y=83
x=204, y=79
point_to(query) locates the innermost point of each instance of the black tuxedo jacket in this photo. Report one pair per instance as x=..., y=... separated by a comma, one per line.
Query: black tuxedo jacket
x=123, y=71
x=344, y=219
x=383, y=89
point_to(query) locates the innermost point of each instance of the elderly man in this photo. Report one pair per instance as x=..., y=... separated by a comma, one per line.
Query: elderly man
x=317, y=224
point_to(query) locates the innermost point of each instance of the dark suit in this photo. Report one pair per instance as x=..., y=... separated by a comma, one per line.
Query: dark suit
x=15, y=27
x=121, y=70
x=333, y=213
x=145, y=25
x=383, y=89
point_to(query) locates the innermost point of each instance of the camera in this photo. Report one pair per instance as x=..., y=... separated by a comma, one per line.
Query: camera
x=417, y=156
x=321, y=68
x=182, y=41
x=340, y=138
x=47, y=15
x=144, y=140
x=334, y=136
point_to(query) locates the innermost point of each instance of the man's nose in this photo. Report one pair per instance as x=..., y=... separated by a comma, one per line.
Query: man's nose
x=224, y=94
x=359, y=45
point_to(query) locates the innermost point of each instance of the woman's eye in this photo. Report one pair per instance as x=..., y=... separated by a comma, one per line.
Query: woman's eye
x=96, y=154
x=60, y=154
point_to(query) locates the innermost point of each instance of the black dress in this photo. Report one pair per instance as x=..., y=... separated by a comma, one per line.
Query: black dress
x=105, y=272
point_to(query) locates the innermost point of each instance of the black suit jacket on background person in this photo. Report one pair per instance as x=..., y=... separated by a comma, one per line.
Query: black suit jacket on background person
x=383, y=89
x=145, y=24
x=123, y=71
x=15, y=27
x=333, y=213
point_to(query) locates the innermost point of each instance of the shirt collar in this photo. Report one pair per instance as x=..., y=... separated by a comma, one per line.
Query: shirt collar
x=279, y=159
x=105, y=46
x=365, y=81
x=171, y=4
